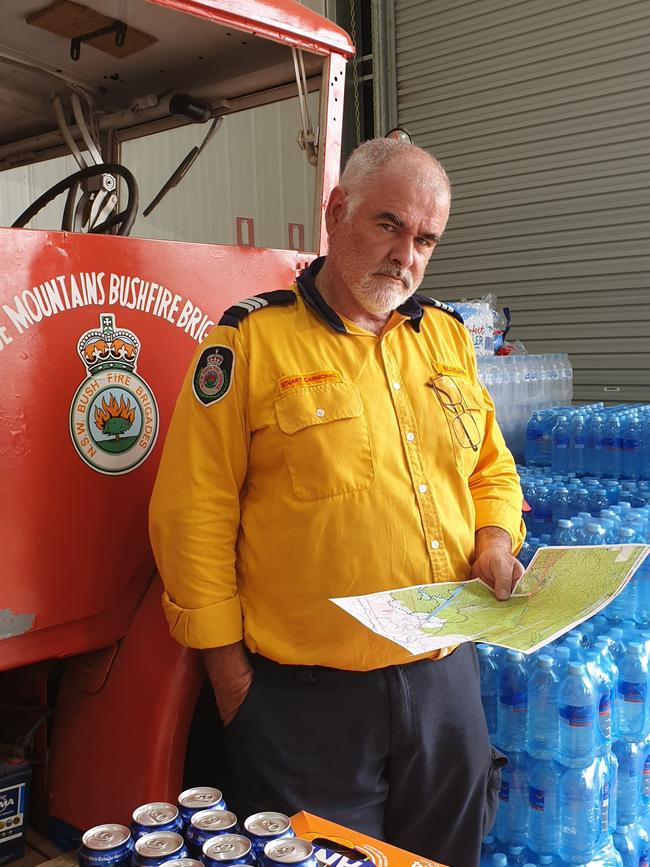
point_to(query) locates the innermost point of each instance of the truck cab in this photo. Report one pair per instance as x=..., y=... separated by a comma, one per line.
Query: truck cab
x=160, y=160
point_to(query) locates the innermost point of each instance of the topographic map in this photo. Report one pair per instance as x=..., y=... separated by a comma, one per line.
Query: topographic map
x=560, y=588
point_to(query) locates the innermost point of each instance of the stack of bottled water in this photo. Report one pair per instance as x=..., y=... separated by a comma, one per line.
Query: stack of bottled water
x=521, y=384
x=593, y=439
x=574, y=722
x=574, y=718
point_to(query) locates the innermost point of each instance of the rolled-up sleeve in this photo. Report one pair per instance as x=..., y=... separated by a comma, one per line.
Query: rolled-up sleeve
x=194, y=513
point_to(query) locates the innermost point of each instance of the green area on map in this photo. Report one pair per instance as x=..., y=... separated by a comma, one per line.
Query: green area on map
x=562, y=587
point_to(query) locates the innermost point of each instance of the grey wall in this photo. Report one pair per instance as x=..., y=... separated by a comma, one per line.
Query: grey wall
x=539, y=111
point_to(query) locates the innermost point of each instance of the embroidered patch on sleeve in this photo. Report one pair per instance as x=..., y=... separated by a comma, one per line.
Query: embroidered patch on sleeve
x=213, y=374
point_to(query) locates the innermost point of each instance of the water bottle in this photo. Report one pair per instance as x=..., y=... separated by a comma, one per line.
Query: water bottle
x=576, y=650
x=488, y=847
x=580, y=501
x=613, y=446
x=632, y=446
x=561, y=656
x=605, y=688
x=564, y=534
x=642, y=611
x=560, y=441
x=645, y=448
x=633, y=693
x=595, y=445
x=617, y=646
x=512, y=815
x=625, y=846
x=577, y=702
x=578, y=442
x=629, y=781
x=594, y=534
x=584, y=811
x=561, y=504
x=597, y=501
x=543, y=723
x=612, y=489
x=641, y=843
x=544, y=778
x=512, y=711
x=499, y=859
x=542, y=510
x=517, y=856
x=489, y=687
x=534, y=433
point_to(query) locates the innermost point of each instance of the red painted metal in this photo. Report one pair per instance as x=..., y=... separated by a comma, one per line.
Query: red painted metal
x=284, y=21
x=130, y=736
x=74, y=539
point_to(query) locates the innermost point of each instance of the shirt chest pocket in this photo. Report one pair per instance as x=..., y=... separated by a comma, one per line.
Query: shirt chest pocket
x=325, y=439
x=465, y=412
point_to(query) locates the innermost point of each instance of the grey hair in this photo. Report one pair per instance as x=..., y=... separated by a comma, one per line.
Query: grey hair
x=372, y=155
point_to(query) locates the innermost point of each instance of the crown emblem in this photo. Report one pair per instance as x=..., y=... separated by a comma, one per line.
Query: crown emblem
x=108, y=348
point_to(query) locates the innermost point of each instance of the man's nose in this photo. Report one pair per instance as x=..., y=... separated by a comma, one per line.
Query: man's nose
x=402, y=250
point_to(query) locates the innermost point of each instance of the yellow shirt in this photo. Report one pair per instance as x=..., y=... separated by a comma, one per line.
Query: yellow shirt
x=308, y=458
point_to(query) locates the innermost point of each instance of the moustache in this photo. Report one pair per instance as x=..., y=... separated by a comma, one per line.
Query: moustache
x=398, y=274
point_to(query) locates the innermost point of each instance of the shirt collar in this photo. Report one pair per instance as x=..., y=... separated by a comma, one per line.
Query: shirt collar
x=411, y=309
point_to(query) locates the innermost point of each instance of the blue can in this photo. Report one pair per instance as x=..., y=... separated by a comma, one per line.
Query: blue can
x=227, y=849
x=152, y=850
x=158, y=816
x=295, y=853
x=267, y=826
x=183, y=862
x=106, y=846
x=191, y=801
x=207, y=824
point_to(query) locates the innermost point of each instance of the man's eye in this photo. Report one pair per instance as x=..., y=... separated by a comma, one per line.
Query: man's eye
x=424, y=242
x=387, y=226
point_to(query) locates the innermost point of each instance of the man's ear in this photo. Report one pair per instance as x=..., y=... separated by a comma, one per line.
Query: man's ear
x=335, y=211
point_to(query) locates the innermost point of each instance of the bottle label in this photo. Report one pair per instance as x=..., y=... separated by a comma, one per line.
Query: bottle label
x=533, y=435
x=632, y=692
x=643, y=858
x=578, y=716
x=613, y=443
x=515, y=700
x=645, y=779
x=631, y=445
x=579, y=442
x=504, y=791
x=561, y=441
x=536, y=798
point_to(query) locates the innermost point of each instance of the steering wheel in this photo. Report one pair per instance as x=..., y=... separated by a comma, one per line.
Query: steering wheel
x=124, y=219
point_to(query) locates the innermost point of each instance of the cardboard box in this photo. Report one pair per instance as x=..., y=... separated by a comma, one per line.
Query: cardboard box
x=353, y=848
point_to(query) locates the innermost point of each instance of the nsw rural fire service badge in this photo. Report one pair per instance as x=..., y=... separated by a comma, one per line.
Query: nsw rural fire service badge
x=113, y=415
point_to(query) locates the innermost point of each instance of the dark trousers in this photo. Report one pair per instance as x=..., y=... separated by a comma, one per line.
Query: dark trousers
x=400, y=753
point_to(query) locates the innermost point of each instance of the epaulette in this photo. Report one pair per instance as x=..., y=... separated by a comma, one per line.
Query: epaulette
x=446, y=308
x=234, y=315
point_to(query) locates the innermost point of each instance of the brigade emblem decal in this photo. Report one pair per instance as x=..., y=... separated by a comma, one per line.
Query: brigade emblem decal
x=113, y=415
x=213, y=374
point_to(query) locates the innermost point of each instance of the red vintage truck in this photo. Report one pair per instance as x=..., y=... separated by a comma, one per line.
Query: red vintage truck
x=96, y=331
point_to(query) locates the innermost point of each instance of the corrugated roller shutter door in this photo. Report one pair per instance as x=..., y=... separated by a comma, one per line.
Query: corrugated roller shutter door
x=540, y=113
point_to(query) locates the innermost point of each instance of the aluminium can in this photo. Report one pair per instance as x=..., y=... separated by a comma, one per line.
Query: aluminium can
x=294, y=852
x=207, y=824
x=199, y=798
x=267, y=826
x=227, y=849
x=106, y=846
x=152, y=850
x=158, y=816
x=183, y=862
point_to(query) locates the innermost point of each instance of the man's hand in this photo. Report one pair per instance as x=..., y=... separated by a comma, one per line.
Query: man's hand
x=494, y=563
x=231, y=676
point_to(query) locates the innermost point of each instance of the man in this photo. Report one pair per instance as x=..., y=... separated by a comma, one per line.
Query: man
x=337, y=441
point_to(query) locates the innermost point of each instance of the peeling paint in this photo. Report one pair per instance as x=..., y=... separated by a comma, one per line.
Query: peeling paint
x=14, y=624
